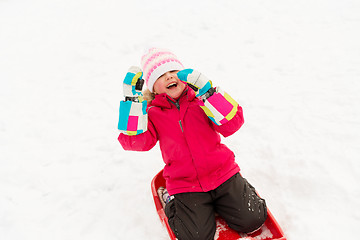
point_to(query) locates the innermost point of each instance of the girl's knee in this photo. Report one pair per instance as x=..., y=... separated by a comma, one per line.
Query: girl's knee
x=249, y=226
x=251, y=220
x=183, y=232
x=255, y=223
x=189, y=227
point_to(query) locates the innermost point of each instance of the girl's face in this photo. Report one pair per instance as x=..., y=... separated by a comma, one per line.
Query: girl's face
x=170, y=84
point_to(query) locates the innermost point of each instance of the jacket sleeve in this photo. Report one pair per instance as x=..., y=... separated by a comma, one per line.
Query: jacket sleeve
x=142, y=142
x=230, y=127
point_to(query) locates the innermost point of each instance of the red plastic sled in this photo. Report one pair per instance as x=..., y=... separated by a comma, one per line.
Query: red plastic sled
x=270, y=230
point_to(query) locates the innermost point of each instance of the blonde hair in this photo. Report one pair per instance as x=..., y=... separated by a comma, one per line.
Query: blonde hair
x=148, y=96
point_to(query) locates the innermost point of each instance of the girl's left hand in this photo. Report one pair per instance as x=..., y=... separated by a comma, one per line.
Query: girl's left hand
x=196, y=79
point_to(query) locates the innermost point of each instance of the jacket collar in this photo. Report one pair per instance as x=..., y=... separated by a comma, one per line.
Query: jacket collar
x=162, y=100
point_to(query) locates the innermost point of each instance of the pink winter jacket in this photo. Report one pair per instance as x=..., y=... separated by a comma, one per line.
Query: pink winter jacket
x=195, y=159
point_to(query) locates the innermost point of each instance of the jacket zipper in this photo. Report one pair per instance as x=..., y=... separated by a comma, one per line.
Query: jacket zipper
x=177, y=104
x=182, y=130
x=178, y=107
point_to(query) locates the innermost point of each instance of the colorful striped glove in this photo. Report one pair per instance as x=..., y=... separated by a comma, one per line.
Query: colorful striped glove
x=133, y=117
x=197, y=81
x=133, y=83
x=217, y=105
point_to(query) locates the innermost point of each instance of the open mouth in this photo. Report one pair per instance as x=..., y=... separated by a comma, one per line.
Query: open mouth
x=172, y=85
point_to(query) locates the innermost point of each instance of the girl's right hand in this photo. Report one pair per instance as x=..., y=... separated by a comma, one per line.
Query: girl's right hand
x=133, y=84
x=133, y=117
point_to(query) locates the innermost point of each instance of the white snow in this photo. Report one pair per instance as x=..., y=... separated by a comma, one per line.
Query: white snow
x=294, y=66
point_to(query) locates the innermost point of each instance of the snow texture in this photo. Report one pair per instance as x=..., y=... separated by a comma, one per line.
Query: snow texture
x=292, y=65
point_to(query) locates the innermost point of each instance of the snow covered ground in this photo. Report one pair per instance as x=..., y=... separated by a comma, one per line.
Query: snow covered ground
x=294, y=66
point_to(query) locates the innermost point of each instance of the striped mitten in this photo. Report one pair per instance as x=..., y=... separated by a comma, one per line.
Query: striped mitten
x=133, y=117
x=217, y=105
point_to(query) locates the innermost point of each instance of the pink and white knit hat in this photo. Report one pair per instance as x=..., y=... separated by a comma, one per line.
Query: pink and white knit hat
x=156, y=62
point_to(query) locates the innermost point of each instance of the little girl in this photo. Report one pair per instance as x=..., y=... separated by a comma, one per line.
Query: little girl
x=186, y=114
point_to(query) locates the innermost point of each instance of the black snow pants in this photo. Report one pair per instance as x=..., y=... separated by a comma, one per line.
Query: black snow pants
x=192, y=215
